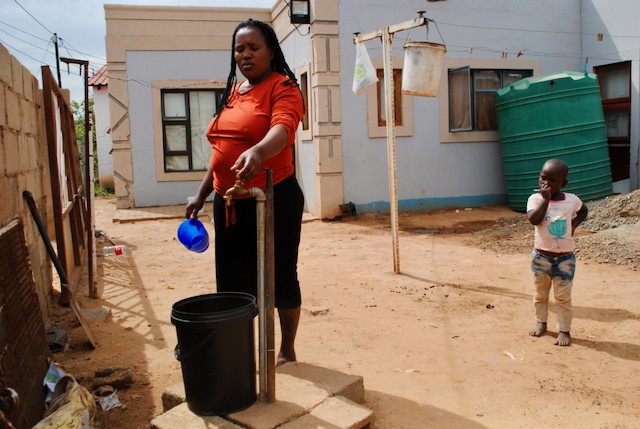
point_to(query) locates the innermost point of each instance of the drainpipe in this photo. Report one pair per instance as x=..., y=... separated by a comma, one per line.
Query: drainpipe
x=264, y=219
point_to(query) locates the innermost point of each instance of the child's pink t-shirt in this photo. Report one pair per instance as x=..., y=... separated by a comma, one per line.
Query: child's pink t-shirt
x=554, y=233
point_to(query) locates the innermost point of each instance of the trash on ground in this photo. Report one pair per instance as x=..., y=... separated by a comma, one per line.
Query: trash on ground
x=110, y=402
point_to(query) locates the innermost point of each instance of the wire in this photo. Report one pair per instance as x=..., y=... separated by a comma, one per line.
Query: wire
x=24, y=41
x=46, y=52
x=25, y=54
x=82, y=53
x=22, y=31
x=34, y=18
x=535, y=31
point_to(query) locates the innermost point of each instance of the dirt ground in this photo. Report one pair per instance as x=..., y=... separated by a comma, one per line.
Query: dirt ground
x=444, y=344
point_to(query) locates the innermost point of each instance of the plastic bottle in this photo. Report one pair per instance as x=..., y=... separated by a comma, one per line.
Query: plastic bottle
x=116, y=250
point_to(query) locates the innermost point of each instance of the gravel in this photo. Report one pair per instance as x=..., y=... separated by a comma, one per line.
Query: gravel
x=611, y=233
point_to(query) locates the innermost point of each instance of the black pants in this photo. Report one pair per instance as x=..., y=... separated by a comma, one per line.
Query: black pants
x=236, y=244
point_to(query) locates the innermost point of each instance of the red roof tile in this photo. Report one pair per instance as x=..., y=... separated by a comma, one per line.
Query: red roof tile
x=100, y=78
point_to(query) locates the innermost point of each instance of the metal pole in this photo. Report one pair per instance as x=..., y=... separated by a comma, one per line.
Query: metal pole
x=55, y=43
x=386, y=35
x=88, y=186
x=262, y=314
x=269, y=296
x=266, y=366
x=389, y=98
x=88, y=166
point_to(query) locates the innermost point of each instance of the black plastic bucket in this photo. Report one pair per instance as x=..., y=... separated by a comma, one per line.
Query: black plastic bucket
x=216, y=350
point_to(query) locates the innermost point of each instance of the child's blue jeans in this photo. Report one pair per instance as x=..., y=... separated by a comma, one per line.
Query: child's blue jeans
x=559, y=272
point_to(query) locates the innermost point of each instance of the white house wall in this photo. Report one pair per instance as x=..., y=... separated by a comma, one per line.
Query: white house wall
x=149, y=66
x=618, y=21
x=103, y=138
x=297, y=51
x=433, y=174
x=343, y=157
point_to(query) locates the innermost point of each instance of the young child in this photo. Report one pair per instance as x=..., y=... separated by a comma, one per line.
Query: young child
x=556, y=215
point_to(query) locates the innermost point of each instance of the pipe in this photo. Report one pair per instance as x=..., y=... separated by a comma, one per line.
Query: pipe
x=266, y=371
x=64, y=280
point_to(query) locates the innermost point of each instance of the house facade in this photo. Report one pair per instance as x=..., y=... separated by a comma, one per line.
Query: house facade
x=99, y=84
x=168, y=65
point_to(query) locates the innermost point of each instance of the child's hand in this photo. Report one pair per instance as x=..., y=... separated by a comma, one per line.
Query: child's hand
x=545, y=191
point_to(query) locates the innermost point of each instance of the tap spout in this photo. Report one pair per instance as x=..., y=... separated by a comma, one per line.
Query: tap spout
x=237, y=190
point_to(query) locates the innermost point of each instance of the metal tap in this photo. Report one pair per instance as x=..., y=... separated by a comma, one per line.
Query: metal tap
x=236, y=190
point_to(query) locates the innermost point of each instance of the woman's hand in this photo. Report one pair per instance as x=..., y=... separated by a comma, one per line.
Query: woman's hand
x=193, y=208
x=247, y=165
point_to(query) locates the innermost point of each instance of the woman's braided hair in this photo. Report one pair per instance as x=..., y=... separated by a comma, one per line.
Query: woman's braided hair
x=278, y=63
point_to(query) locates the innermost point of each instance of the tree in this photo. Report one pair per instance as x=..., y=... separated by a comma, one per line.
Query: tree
x=77, y=108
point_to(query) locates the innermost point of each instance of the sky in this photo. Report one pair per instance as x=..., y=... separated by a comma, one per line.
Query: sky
x=27, y=28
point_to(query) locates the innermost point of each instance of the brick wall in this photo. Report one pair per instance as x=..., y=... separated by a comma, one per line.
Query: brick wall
x=24, y=165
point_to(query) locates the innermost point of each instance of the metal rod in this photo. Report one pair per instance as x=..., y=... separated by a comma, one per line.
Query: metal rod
x=55, y=44
x=406, y=25
x=64, y=280
x=88, y=186
x=390, y=110
x=262, y=315
x=386, y=35
x=263, y=348
x=269, y=296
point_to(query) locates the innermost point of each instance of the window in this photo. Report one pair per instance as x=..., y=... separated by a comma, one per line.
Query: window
x=185, y=116
x=471, y=96
x=376, y=111
x=304, y=80
x=304, y=89
x=397, y=97
x=615, y=87
x=457, y=115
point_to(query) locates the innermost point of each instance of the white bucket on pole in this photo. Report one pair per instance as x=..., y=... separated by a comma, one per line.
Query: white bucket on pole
x=422, y=68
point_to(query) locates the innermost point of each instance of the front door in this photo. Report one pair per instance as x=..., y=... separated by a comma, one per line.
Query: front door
x=615, y=87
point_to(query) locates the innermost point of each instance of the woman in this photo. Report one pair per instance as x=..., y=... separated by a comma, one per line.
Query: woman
x=254, y=129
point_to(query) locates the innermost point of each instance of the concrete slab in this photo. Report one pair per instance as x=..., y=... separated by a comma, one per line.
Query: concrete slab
x=307, y=396
x=335, y=382
x=139, y=214
x=344, y=413
x=294, y=398
x=336, y=412
x=182, y=417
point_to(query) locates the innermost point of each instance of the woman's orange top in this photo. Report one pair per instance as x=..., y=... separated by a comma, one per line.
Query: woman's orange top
x=246, y=121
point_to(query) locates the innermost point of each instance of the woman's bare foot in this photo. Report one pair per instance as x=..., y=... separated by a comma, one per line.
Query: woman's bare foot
x=289, y=318
x=539, y=329
x=564, y=339
x=282, y=359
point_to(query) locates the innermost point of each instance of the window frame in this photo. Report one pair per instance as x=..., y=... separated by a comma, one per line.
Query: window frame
x=375, y=130
x=446, y=136
x=474, y=109
x=397, y=96
x=619, y=146
x=305, y=130
x=176, y=86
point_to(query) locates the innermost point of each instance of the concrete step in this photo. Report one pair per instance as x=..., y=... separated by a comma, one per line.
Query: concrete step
x=307, y=396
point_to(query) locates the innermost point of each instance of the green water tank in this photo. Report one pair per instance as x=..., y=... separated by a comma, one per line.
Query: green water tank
x=553, y=116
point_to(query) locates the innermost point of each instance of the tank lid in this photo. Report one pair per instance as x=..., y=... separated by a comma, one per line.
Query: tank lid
x=525, y=83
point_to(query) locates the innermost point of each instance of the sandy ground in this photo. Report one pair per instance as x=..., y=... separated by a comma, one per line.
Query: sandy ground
x=444, y=344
